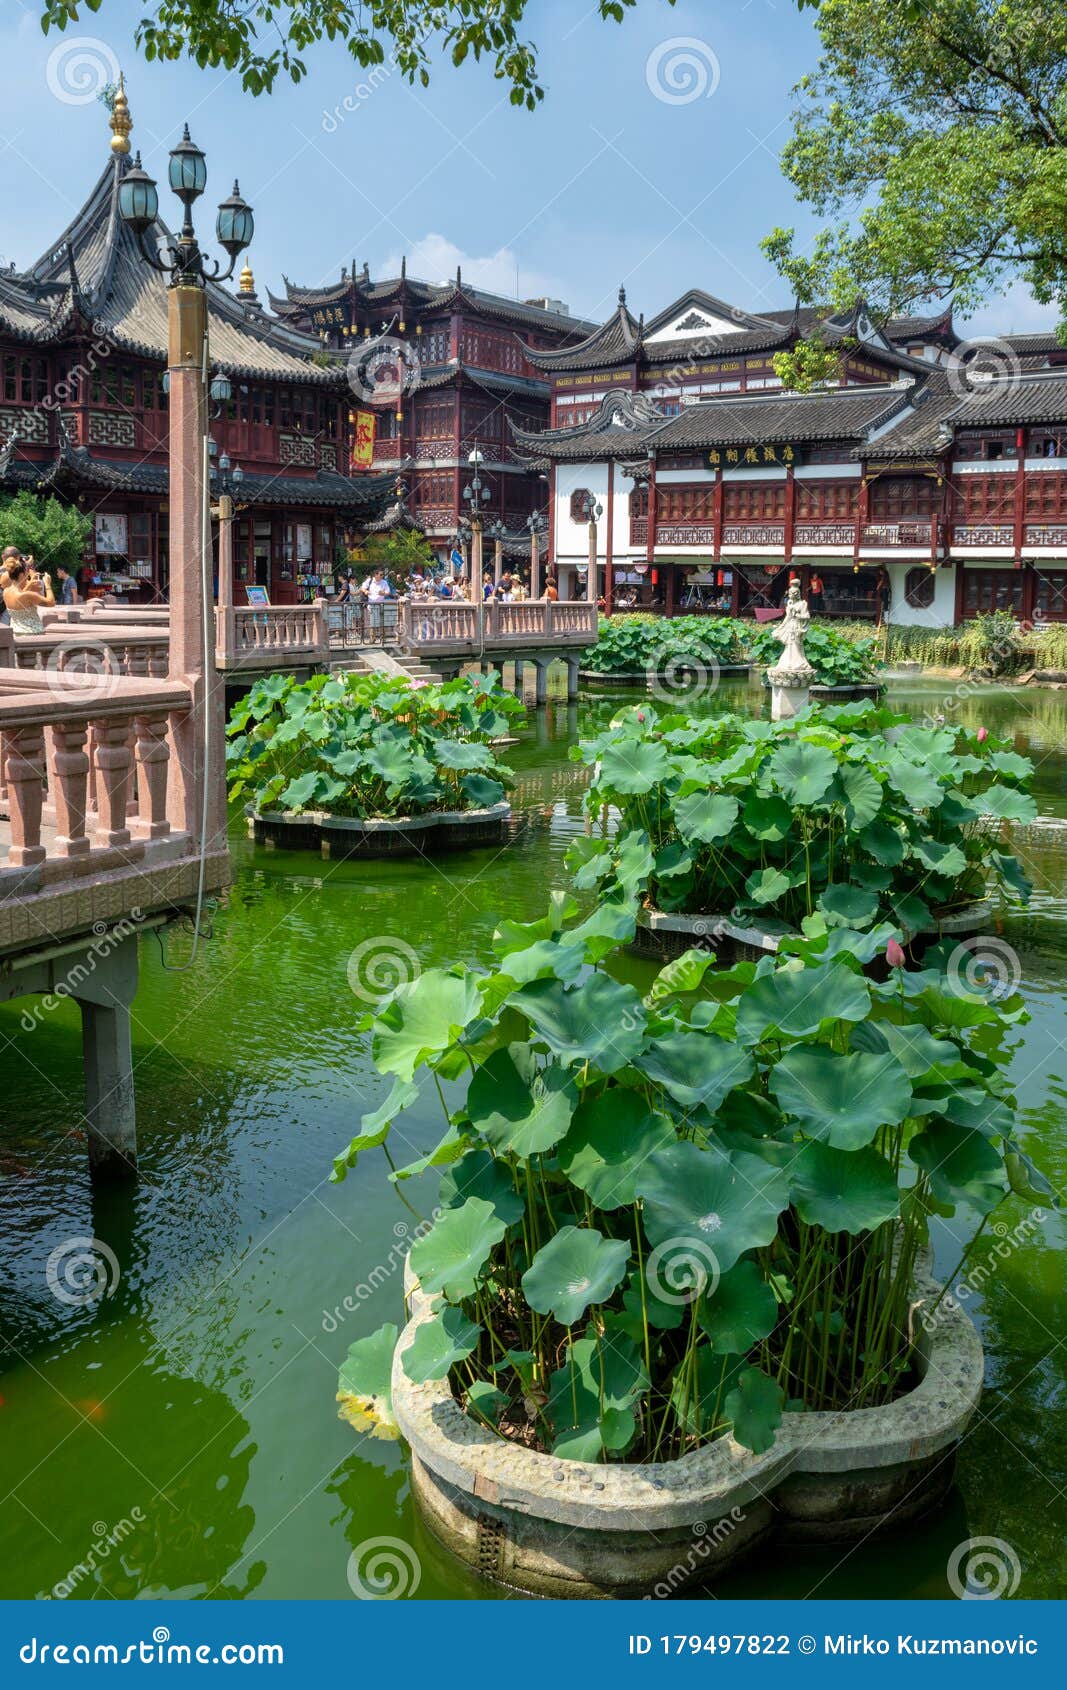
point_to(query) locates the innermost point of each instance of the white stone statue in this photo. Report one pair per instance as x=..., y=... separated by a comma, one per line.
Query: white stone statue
x=792, y=675
x=792, y=668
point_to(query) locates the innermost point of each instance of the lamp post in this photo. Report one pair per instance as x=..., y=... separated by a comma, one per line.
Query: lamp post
x=476, y=494
x=229, y=481
x=199, y=740
x=496, y=533
x=535, y=522
x=596, y=511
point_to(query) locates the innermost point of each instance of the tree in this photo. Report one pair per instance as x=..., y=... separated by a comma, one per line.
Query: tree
x=935, y=133
x=56, y=534
x=400, y=549
x=227, y=34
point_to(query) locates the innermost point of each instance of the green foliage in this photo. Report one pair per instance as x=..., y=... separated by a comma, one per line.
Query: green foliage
x=370, y=745
x=729, y=1199
x=932, y=137
x=401, y=549
x=56, y=534
x=994, y=645
x=840, y=818
x=265, y=38
x=653, y=645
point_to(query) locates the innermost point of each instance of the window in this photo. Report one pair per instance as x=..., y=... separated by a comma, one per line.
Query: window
x=827, y=501
x=581, y=500
x=1050, y=595
x=754, y=501
x=685, y=504
x=1045, y=495
x=986, y=498
x=639, y=502
x=919, y=585
x=895, y=496
x=985, y=590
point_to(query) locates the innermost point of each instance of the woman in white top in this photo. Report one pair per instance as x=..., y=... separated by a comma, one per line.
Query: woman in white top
x=24, y=595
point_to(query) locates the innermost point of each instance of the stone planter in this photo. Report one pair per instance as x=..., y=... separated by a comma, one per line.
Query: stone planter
x=646, y=678
x=580, y=1529
x=849, y=694
x=662, y=935
x=347, y=836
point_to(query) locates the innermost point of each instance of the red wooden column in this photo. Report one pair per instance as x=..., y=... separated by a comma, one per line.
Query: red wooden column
x=790, y=515
x=609, y=540
x=650, y=541
x=1026, y=605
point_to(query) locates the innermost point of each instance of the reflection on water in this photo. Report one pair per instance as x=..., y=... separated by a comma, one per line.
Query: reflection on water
x=199, y=1392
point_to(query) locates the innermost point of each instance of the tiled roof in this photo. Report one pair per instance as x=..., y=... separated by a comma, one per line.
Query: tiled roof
x=615, y=342
x=840, y=413
x=948, y=402
x=623, y=424
x=96, y=271
x=435, y=295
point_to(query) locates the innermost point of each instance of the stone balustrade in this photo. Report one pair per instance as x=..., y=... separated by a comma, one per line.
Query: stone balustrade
x=90, y=803
x=271, y=637
x=469, y=629
x=92, y=648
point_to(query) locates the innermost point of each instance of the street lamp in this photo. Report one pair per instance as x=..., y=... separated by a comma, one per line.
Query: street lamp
x=228, y=479
x=199, y=736
x=596, y=511
x=476, y=493
x=497, y=533
x=535, y=522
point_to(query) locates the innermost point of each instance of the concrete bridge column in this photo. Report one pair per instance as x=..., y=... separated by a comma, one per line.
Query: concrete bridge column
x=572, y=679
x=104, y=999
x=520, y=678
x=541, y=682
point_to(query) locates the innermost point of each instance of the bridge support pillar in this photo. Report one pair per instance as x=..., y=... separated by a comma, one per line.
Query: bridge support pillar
x=541, y=682
x=520, y=678
x=572, y=679
x=104, y=999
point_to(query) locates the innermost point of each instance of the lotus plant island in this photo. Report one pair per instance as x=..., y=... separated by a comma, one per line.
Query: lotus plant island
x=844, y=816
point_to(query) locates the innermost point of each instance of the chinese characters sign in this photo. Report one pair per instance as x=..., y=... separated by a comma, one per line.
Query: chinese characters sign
x=776, y=453
x=363, y=439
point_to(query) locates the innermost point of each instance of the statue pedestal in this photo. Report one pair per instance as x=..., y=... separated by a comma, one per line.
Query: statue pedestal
x=790, y=691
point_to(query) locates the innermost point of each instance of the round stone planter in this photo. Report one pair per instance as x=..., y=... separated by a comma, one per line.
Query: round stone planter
x=579, y=1529
x=663, y=935
x=647, y=678
x=849, y=694
x=347, y=836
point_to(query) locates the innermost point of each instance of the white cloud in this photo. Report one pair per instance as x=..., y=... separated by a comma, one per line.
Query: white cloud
x=1016, y=311
x=434, y=258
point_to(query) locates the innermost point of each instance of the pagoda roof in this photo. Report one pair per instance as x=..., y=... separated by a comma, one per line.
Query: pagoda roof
x=76, y=466
x=951, y=401
x=617, y=341
x=621, y=425
x=389, y=293
x=95, y=280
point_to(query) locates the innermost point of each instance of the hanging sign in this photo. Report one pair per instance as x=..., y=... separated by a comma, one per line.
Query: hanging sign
x=363, y=439
x=778, y=452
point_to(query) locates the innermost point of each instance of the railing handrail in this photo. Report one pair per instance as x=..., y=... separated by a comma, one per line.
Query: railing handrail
x=26, y=700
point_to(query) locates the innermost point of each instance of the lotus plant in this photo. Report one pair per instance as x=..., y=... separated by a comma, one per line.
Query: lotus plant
x=370, y=745
x=847, y=815
x=664, y=1218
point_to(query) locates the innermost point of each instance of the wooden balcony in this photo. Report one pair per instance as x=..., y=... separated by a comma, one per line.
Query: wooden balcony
x=911, y=536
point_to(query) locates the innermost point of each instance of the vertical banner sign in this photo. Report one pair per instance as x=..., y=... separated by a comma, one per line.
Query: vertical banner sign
x=363, y=439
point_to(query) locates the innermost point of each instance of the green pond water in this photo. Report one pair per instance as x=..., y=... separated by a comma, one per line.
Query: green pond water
x=191, y=1413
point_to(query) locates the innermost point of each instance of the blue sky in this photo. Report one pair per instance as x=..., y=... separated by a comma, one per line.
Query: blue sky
x=607, y=182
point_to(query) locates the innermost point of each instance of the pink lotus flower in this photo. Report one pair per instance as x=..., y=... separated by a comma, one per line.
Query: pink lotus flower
x=640, y=715
x=894, y=955
x=983, y=735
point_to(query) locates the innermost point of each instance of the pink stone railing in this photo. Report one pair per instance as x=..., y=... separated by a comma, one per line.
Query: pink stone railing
x=87, y=785
x=470, y=628
x=270, y=637
x=93, y=648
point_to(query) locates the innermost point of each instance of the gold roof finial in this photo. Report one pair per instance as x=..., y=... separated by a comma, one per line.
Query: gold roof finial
x=247, y=282
x=121, y=121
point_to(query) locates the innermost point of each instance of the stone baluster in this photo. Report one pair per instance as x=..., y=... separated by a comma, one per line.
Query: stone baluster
x=153, y=758
x=23, y=758
x=69, y=787
x=113, y=770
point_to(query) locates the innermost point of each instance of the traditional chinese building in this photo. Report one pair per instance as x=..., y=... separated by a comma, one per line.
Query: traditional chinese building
x=913, y=484
x=83, y=408
x=444, y=370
